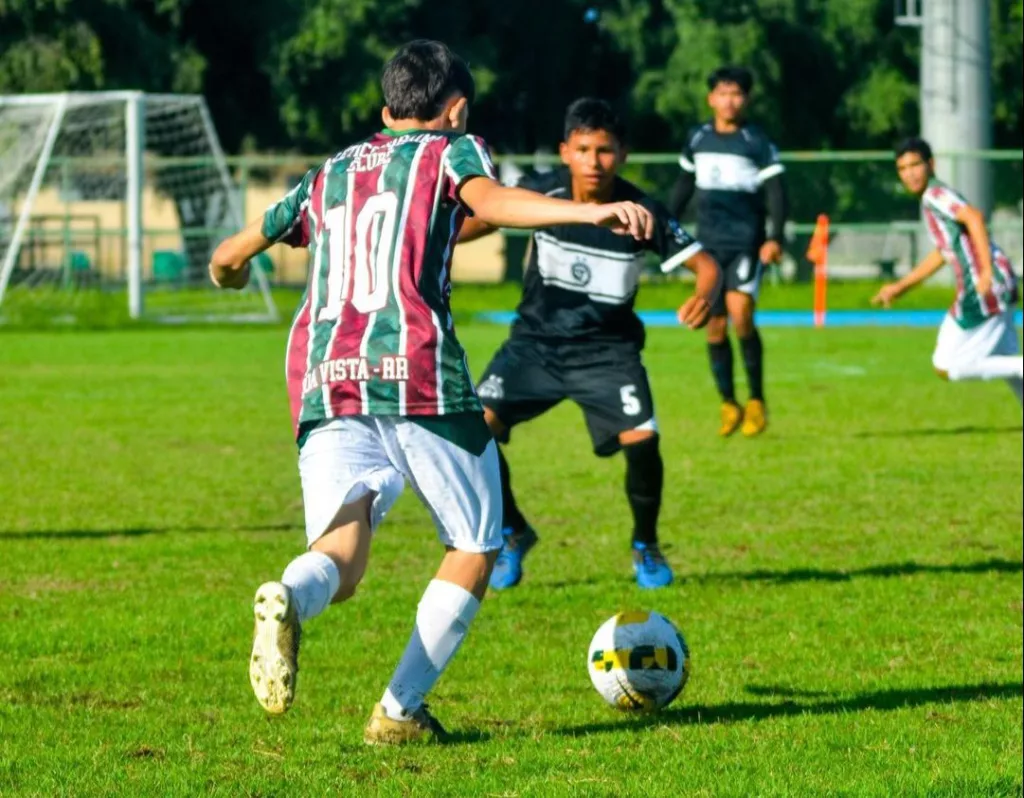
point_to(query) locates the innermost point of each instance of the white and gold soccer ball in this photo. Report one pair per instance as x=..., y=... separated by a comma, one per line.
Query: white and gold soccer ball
x=638, y=661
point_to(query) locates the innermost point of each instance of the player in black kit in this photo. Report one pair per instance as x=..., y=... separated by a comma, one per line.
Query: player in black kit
x=735, y=172
x=576, y=336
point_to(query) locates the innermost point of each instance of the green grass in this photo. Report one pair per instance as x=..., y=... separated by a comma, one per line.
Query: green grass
x=850, y=585
x=73, y=309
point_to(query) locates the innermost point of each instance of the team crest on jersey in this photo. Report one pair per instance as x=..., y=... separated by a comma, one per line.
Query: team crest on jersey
x=492, y=388
x=580, y=271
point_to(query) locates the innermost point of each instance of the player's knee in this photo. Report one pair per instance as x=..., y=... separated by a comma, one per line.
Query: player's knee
x=631, y=437
x=494, y=424
x=468, y=569
x=743, y=323
x=741, y=314
x=717, y=329
x=942, y=374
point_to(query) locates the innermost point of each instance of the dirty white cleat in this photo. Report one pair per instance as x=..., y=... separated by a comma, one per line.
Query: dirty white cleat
x=421, y=727
x=274, y=664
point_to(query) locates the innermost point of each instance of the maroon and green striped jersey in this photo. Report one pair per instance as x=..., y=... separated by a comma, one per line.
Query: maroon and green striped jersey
x=374, y=333
x=941, y=204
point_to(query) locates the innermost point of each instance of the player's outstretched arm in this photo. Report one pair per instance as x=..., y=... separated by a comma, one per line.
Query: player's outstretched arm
x=502, y=206
x=473, y=228
x=931, y=263
x=696, y=311
x=974, y=221
x=229, y=266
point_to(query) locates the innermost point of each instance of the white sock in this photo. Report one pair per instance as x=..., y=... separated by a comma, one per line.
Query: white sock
x=314, y=579
x=995, y=367
x=442, y=620
x=1017, y=386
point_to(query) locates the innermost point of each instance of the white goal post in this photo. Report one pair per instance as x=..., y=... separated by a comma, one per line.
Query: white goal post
x=112, y=202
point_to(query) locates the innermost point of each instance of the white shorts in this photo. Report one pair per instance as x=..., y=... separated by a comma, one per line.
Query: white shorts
x=956, y=346
x=345, y=458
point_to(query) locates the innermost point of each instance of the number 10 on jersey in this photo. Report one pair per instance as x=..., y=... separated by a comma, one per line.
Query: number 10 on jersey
x=365, y=267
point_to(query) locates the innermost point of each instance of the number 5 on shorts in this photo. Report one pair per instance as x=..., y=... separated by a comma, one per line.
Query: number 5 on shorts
x=630, y=403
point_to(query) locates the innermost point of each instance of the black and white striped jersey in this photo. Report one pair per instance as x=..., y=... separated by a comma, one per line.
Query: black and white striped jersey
x=580, y=281
x=730, y=169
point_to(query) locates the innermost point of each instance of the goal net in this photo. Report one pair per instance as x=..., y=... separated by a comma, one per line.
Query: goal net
x=110, y=206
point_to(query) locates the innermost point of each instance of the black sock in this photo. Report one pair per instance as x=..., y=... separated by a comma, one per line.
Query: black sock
x=720, y=355
x=645, y=474
x=753, y=360
x=512, y=518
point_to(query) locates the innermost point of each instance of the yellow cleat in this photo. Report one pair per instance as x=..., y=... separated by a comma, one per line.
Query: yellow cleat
x=732, y=417
x=274, y=664
x=421, y=727
x=755, y=418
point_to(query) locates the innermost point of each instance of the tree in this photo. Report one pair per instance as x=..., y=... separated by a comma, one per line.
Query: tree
x=303, y=74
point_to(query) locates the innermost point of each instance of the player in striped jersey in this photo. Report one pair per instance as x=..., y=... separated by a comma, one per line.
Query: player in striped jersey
x=977, y=339
x=379, y=387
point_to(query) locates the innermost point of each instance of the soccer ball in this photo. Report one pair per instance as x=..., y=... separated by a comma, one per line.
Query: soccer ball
x=638, y=661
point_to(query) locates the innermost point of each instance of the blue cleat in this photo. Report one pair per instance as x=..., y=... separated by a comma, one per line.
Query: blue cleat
x=650, y=567
x=508, y=568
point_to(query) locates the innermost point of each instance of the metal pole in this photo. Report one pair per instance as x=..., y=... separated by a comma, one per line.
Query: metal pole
x=134, y=145
x=956, y=101
x=42, y=163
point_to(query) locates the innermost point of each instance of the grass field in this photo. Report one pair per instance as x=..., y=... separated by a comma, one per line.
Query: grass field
x=850, y=585
x=48, y=308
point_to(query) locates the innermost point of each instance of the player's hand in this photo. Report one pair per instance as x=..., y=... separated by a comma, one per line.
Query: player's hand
x=694, y=312
x=624, y=218
x=984, y=285
x=771, y=252
x=886, y=294
x=230, y=278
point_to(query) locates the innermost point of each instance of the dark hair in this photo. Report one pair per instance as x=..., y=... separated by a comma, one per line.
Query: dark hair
x=421, y=77
x=741, y=76
x=589, y=114
x=916, y=145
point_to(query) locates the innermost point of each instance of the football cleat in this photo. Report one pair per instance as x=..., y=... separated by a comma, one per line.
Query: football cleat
x=755, y=418
x=508, y=568
x=421, y=727
x=732, y=417
x=274, y=663
x=650, y=567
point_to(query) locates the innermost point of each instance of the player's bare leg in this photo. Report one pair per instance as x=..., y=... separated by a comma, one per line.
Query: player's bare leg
x=741, y=313
x=461, y=485
x=329, y=572
x=644, y=481
x=720, y=356
x=445, y=612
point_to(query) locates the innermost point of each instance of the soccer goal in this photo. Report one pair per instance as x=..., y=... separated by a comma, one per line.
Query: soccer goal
x=110, y=206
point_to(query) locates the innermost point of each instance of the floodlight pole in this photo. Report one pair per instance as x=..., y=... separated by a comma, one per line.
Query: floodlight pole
x=956, y=96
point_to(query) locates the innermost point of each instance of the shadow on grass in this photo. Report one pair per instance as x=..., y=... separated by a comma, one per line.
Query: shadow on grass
x=739, y=711
x=466, y=737
x=924, y=433
x=134, y=532
x=451, y=738
x=994, y=565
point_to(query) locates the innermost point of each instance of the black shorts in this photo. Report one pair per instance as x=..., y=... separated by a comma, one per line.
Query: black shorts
x=742, y=268
x=608, y=382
